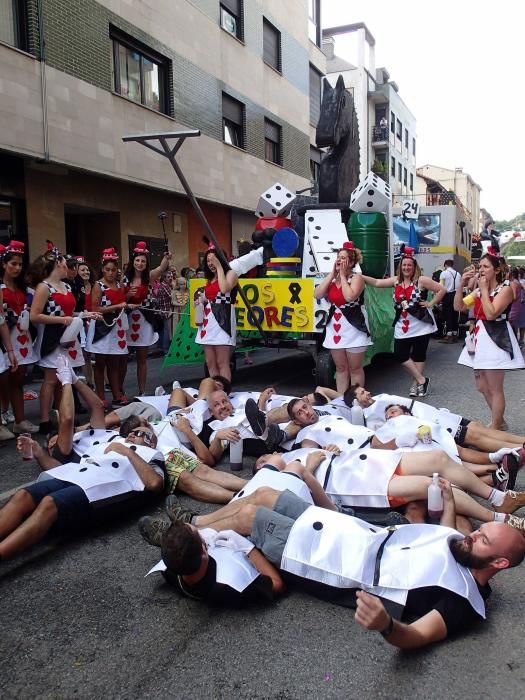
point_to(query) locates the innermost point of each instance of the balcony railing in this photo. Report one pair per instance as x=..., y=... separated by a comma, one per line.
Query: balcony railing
x=440, y=198
x=379, y=134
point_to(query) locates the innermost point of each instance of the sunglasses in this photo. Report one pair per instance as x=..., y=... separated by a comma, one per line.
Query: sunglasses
x=148, y=437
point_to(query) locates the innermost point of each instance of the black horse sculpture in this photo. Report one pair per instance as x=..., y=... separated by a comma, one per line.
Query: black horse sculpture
x=338, y=129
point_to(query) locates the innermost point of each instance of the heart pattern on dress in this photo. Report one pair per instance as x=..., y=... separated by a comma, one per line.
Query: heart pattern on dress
x=203, y=333
x=405, y=325
x=207, y=310
x=205, y=322
x=22, y=339
x=73, y=354
x=404, y=314
x=119, y=323
x=134, y=337
x=122, y=344
x=121, y=334
x=135, y=327
x=23, y=351
x=337, y=327
x=337, y=315
x=337, y=338
x=135, y=317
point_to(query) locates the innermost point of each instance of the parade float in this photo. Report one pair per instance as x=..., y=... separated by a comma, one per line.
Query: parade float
x=277, y=308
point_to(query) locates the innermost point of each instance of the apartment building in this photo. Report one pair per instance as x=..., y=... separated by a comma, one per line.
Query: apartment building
x=78, y=76
x=439, y=184
x=387, y=127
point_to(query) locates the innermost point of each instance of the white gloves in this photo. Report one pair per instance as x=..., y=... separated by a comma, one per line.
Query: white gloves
x=232, y=540
x=496, y=457
x=406, y=440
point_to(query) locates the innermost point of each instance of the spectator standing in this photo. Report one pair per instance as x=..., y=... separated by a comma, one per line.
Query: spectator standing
x=451, y=280
x=179, y=299
x=162, y=292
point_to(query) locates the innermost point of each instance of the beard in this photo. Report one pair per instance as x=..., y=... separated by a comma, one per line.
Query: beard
x=462, y=553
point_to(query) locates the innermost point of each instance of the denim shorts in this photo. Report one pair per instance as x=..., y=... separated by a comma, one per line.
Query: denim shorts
x=74, y=510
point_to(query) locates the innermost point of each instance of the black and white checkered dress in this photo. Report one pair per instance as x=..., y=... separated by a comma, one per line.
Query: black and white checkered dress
x=47, y=343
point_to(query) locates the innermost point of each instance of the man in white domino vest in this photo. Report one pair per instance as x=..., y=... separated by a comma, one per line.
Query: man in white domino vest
x=428, y=572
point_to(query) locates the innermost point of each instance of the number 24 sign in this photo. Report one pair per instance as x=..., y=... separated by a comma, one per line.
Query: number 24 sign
x=410, y=209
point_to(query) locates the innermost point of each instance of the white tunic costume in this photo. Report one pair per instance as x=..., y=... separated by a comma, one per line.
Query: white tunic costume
x=277, y=480
x=338, y=431
x=441, y=438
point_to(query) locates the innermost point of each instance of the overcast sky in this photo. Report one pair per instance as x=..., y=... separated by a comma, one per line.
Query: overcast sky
x=459, y=66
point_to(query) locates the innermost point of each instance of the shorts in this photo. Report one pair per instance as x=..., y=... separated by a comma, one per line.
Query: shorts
x=138, y=408
x=397, y=501
x=172, y=409
x=176, y=462
x=412, y=348
x=57, y=454
x=271, y=528
x=461, y=432
x=74, y=509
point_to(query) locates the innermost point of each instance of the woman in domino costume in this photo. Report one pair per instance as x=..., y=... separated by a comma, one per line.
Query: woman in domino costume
x=218, y=330
x=137, y=282
x=16, y=314
x=493, y=347
x=414, y=321
x=52, y=312
x=347, y=334
x=106, y=338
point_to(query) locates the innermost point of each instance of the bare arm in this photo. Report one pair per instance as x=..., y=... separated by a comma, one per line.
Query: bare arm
x=149, y=477
x=437, y=290
x=94, y=404
x=226, y=280
x=157, y=271
x=37, y=306
x=265, y=568
x=371, y=615
x=66, y=420
x=380, y=283
x=203, y=453
x=352, y=290
x=42, y=456
x=500, y=302
x=322, y=289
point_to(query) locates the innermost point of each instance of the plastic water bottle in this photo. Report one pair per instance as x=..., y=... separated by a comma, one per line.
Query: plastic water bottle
x=236, y=456
x=356, y=414
x=435, y=499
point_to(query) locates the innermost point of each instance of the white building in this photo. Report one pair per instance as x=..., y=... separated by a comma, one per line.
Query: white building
x=387, y=127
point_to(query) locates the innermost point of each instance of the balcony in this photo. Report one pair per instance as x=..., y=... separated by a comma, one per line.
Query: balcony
x=440, y=198
x=379, y=135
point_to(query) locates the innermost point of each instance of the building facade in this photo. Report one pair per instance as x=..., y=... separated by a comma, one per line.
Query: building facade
x=387, y=128
x=78, y=76
x=452, y=182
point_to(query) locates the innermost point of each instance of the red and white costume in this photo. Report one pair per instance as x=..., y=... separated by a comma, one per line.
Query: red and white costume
x=218, y=325
x=411, y=319
x=15, y=302
x=102, y=337
x=140, y=332
x=347, y=325
x=47, y=344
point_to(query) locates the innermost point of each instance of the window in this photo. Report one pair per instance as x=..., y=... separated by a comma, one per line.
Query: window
x=271, y=45
x=392, y=166
x=399, y=129
x=231, y=17
x=13, y=23
x=272, y=142
x=406, y=139
x=392, y=122
x=405, y=177
x=414, y=147
x=411, y=182
x=399, y=171
x=315, y=163
x=139, y=73
x=314, y=28
x=232, y=121
x=315, y=95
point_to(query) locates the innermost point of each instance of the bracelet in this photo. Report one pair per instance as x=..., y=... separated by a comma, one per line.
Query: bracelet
x=388, y=629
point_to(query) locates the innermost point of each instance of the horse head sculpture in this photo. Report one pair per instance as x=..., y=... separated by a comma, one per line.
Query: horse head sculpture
x=338, y=129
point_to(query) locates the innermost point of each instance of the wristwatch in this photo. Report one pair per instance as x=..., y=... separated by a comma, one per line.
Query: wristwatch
x=388, y=629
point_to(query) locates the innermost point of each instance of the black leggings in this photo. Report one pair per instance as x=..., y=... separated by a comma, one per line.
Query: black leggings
x=412, y=348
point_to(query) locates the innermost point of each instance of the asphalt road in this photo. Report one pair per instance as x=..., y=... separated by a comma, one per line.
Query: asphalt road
x=79, y=620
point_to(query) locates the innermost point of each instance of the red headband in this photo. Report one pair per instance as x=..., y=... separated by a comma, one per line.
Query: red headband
x=81, y=260
x=141, y=248
x=52, y=250
x=15, y=247
x=109, y=254
x=2, y=249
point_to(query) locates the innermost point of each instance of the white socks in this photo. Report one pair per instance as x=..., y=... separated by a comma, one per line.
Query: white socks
x=496, y=497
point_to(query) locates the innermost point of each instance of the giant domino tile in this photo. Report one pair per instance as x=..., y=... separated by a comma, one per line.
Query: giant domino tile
x=326, y=235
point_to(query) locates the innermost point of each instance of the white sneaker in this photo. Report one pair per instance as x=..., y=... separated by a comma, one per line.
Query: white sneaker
x=63, y=370
x=25, y=426
x=159, y=391
x=8, y=417
x=6, y=434
x=176, y=385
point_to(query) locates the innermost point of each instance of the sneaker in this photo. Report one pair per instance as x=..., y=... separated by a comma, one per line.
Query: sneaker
x=123, y=401
x=6, y=434
x=30, y=395
x=514, y=500
x=500, y=478
x=512, y=464
x=176, y=385
x=413, y=390
x=159, y=391
x=25, y=426
x=275, y=437
x=152, y=529
x=8, y=417
x=256, y=417
x=176, y=511
x=422, y=389
x=516, y=523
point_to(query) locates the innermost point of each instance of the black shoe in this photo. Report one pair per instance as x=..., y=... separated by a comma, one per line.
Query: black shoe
x=256, y=418
x=176, y=511
x=45, y=428
x=422, y=389
x=275, y=437
x=152, y=529
x=512, y=465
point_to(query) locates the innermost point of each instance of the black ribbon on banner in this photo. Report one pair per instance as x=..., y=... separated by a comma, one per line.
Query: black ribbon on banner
x=295, y=288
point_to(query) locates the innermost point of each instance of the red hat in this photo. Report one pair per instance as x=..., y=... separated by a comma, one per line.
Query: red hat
x=494, y=253
x=52, y=251
x=348, y=245
x=2, y=250
x=15, y=247
x=141, y=248
x=81, y=260
x=109, y=254
x=408, y=252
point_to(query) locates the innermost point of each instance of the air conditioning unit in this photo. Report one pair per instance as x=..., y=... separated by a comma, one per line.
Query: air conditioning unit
x=228, y=22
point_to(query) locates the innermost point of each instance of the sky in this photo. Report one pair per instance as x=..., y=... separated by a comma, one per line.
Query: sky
x=459, y=66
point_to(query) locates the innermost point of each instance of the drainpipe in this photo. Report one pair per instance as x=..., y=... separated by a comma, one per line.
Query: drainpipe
x=43, y=79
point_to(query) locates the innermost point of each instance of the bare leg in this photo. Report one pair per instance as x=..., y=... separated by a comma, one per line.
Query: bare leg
x=113, y=370
x=142, y=368
x=16, y=392
x=31, y=530
x=222, y=353
x=411, y=367
x=490, y=440
x=264, y=496
x=88, y=367
x=178, y=398
x=355, y=363
x=100, y=369
x=4, y=391
x=467, y=454
x=278, y=415
x=494, y=380
x=416, y=511
x=206, y=386
x=228, y=481
x=17, y=509
x=94, y=404
x=211, y=360
x=46, y=393
x=342, y=374
x=202, y=490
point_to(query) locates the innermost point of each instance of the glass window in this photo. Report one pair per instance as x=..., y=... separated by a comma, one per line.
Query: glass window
x=272, y=142
x=314, y=28
x=139, y=76
x=413, y=147
x=405, y=177
x=399, y=172
x=411, y=182
x=232, y=121
x=13, y=23
x=315, y=163
x=231, y=17
x=399, y=129
x=315, y=95
x=392, y=166
x=406, y=139
x=271, y=45
x=392, y=122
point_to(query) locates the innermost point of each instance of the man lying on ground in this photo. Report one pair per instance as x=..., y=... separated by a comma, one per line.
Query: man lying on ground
x=427, y=573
